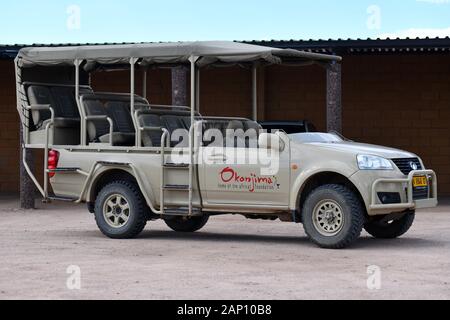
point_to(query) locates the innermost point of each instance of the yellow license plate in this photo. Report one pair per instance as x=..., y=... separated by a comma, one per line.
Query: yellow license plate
x=420, y=181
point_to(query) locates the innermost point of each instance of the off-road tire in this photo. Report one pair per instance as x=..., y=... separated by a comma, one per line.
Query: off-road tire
x=392, y=230
x=353, y=213
x=138, y=213
x=182, y=224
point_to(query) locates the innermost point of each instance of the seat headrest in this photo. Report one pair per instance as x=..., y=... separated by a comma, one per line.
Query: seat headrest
x=94, y=107
x=235, y=125
x=253, y=125
x=39, y=95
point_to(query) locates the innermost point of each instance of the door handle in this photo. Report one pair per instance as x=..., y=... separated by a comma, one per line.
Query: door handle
x=218, y=157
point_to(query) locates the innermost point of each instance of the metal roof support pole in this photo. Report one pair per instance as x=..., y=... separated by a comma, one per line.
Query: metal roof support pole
x=197, y=93
x=144, y=84
x=192, y=132
x=132, y=93
x=77, y=79
x=334, y=97
x=255, y=92
x=83, y=130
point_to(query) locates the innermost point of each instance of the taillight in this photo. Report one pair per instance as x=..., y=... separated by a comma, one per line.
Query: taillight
x=52, y=163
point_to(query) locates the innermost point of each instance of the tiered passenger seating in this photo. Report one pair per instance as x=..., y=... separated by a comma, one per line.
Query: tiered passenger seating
x=117, y=108
x=99, y=107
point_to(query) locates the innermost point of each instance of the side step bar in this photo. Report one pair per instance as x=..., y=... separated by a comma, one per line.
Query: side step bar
x=182, y=212
x=64, y=199
x=63, y=170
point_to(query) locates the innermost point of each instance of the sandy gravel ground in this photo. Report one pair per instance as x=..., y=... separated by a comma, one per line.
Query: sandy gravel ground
x=231, y=258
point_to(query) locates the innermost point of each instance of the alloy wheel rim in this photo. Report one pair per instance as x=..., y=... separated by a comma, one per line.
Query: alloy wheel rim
x=116, y=211
x=328, y=218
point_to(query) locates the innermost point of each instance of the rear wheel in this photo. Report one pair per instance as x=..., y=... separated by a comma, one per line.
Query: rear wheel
x=186, y=224
x=391, y=229
x=333, y=216
x=121, y=210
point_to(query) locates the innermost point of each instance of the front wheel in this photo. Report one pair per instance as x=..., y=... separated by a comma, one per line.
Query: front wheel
x=391, y=229
x=333, y=216
x=187, y=224
x=121, y=210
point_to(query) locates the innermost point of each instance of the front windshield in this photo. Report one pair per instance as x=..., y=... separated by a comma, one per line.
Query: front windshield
x=314, y=137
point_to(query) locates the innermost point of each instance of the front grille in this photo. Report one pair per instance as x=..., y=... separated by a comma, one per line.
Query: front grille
x=406, y=164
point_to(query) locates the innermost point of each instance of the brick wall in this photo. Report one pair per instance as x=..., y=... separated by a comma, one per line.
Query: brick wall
x=399, y=101
x=403, y=102
x=158, y=84
x=9, y=130
x=226, y=92
x=296, y=93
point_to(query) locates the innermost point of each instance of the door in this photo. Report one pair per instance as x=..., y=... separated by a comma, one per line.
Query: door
x=245, y=176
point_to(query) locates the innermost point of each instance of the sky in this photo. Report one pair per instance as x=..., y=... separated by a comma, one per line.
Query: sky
x=98, y=21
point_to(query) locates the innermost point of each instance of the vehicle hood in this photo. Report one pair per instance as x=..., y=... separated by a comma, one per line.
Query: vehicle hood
x=367, y=149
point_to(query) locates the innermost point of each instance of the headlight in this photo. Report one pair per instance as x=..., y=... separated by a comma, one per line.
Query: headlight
x=367, y=162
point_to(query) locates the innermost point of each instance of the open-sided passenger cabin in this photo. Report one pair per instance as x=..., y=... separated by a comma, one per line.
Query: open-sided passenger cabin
x=58, y=106
x=108, y=119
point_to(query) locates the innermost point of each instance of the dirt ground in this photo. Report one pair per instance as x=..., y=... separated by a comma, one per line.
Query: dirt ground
x=231, y=258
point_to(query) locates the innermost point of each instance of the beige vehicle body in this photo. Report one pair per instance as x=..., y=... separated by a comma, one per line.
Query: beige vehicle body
x=180, y=166
x=301, y=164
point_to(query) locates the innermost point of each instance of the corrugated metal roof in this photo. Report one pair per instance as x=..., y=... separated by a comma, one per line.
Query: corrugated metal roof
x=364, y=46
x=333, y=46
x=8, y=51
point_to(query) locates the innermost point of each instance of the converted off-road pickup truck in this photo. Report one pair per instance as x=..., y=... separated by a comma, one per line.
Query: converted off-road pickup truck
x=132, y=161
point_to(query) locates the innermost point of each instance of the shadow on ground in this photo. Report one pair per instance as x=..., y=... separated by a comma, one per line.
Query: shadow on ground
x=365, y=242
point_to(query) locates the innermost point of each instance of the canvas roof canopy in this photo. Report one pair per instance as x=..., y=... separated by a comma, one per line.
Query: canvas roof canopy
x=208, y=52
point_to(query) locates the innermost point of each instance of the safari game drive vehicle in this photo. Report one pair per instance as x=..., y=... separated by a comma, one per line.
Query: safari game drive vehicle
x=132, y=161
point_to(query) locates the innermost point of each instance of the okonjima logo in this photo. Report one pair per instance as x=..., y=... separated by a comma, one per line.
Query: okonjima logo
x=251, y=182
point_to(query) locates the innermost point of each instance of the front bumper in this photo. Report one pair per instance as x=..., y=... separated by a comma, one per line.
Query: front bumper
x=408, y=201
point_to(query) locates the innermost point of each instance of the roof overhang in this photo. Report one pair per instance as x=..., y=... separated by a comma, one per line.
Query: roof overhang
x=208, y=53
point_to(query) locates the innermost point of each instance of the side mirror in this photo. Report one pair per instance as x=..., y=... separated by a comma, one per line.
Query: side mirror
x=271, y=141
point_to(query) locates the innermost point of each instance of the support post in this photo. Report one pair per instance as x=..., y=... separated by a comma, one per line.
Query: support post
x=197, y=90
x=192, y=132
x=255, y=92
x=132, y=94
x=83, y=138
x=77, y=79
x=144, y=84
x=179, y=86
x=132, y=84
x=334, y=97
x=27, y=188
